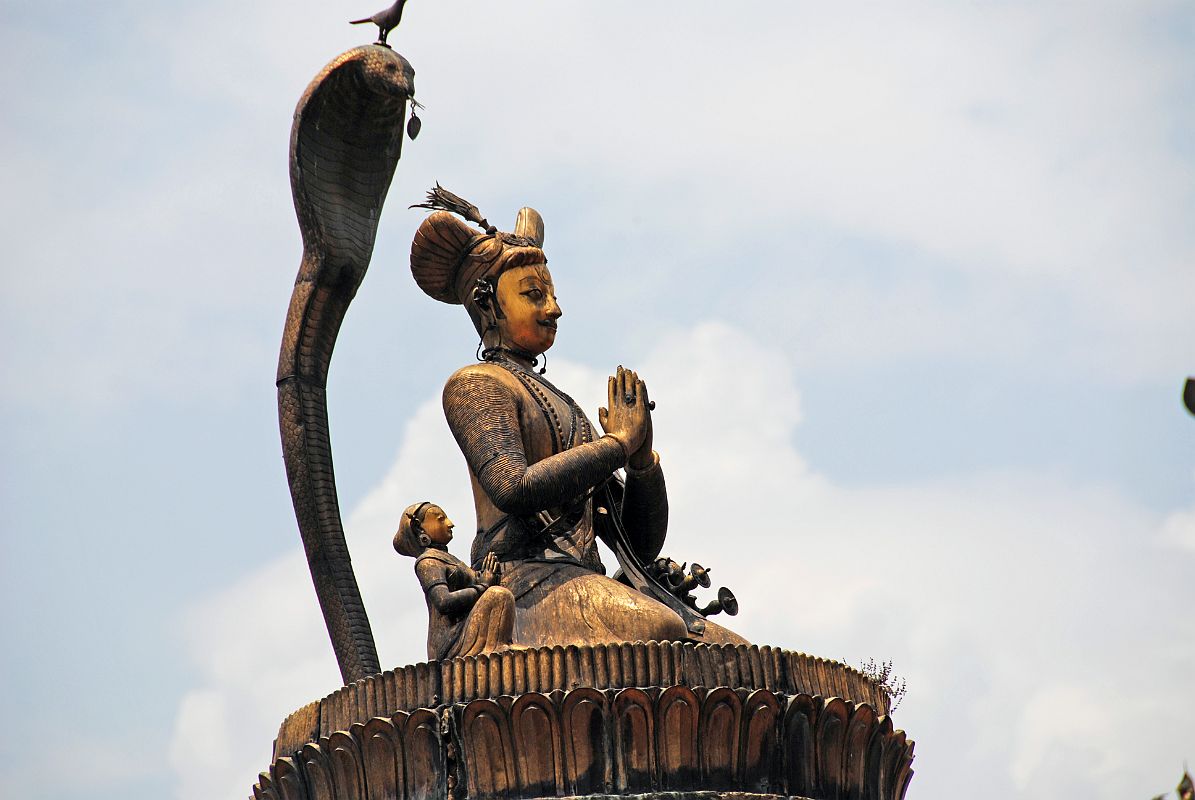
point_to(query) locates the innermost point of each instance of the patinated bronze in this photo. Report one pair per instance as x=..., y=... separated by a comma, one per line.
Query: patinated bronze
x=545, y=678
x=630, y=719
x=543, y=480
x=672, y=575
x=345, y=143
x=468, y=612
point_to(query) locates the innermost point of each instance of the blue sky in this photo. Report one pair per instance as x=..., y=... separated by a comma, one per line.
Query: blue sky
x=911, y=284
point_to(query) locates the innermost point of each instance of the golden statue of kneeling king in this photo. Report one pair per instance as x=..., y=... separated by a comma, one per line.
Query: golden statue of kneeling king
x=544, y=482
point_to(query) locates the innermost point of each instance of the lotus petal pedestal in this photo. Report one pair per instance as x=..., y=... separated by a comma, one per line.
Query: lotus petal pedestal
x=627, y=720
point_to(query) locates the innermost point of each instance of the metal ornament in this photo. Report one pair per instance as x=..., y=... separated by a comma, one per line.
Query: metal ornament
x=414, y=125
x=673, y=576
x=385, y=20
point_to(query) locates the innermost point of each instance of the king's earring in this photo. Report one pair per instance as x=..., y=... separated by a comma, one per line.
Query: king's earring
x=486, y=299
x=483, y=353
x=425, y=540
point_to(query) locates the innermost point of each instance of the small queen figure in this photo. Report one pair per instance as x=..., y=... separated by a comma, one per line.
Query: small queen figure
x=468, y=613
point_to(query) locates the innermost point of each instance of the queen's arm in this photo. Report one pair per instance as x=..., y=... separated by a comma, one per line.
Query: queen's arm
x=433, y=577
x=483, y=415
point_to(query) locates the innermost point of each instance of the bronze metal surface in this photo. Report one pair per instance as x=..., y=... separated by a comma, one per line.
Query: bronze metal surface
x=588, y=742
x=468, y=612
x=544, y=483
x=345, y=143
x=547, y=678
x=546, y=670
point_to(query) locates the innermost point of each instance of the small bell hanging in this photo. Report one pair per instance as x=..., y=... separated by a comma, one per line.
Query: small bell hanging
x=414, y=124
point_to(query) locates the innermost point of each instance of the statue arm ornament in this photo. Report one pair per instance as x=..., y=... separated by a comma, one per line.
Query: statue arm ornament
x=484, y=417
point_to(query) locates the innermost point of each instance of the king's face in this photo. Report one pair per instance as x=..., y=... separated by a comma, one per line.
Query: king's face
x=527, y=298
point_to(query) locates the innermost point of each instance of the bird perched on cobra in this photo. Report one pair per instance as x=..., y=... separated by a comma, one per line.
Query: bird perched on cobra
x=385, y=20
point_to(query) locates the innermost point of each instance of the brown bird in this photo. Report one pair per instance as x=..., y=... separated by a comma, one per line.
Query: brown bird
x=385, y=20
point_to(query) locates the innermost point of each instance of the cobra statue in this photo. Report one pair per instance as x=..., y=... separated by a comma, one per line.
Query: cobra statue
x=345, y=143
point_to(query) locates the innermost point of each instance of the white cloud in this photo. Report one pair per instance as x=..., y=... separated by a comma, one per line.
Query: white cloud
x=1037, y=624
x=1020, y=154
x=259, y=646
x=1179, y=529
x=78, y=765
x=200, y=743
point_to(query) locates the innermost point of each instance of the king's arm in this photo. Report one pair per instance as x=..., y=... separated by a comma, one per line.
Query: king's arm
x=645, y=510
x=483, y=414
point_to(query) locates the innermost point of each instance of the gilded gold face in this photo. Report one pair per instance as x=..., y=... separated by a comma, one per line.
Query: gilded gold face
x=437, y=525
x=527, y=297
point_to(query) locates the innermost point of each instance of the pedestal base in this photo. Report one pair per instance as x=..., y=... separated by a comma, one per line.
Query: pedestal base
x=677, y=739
